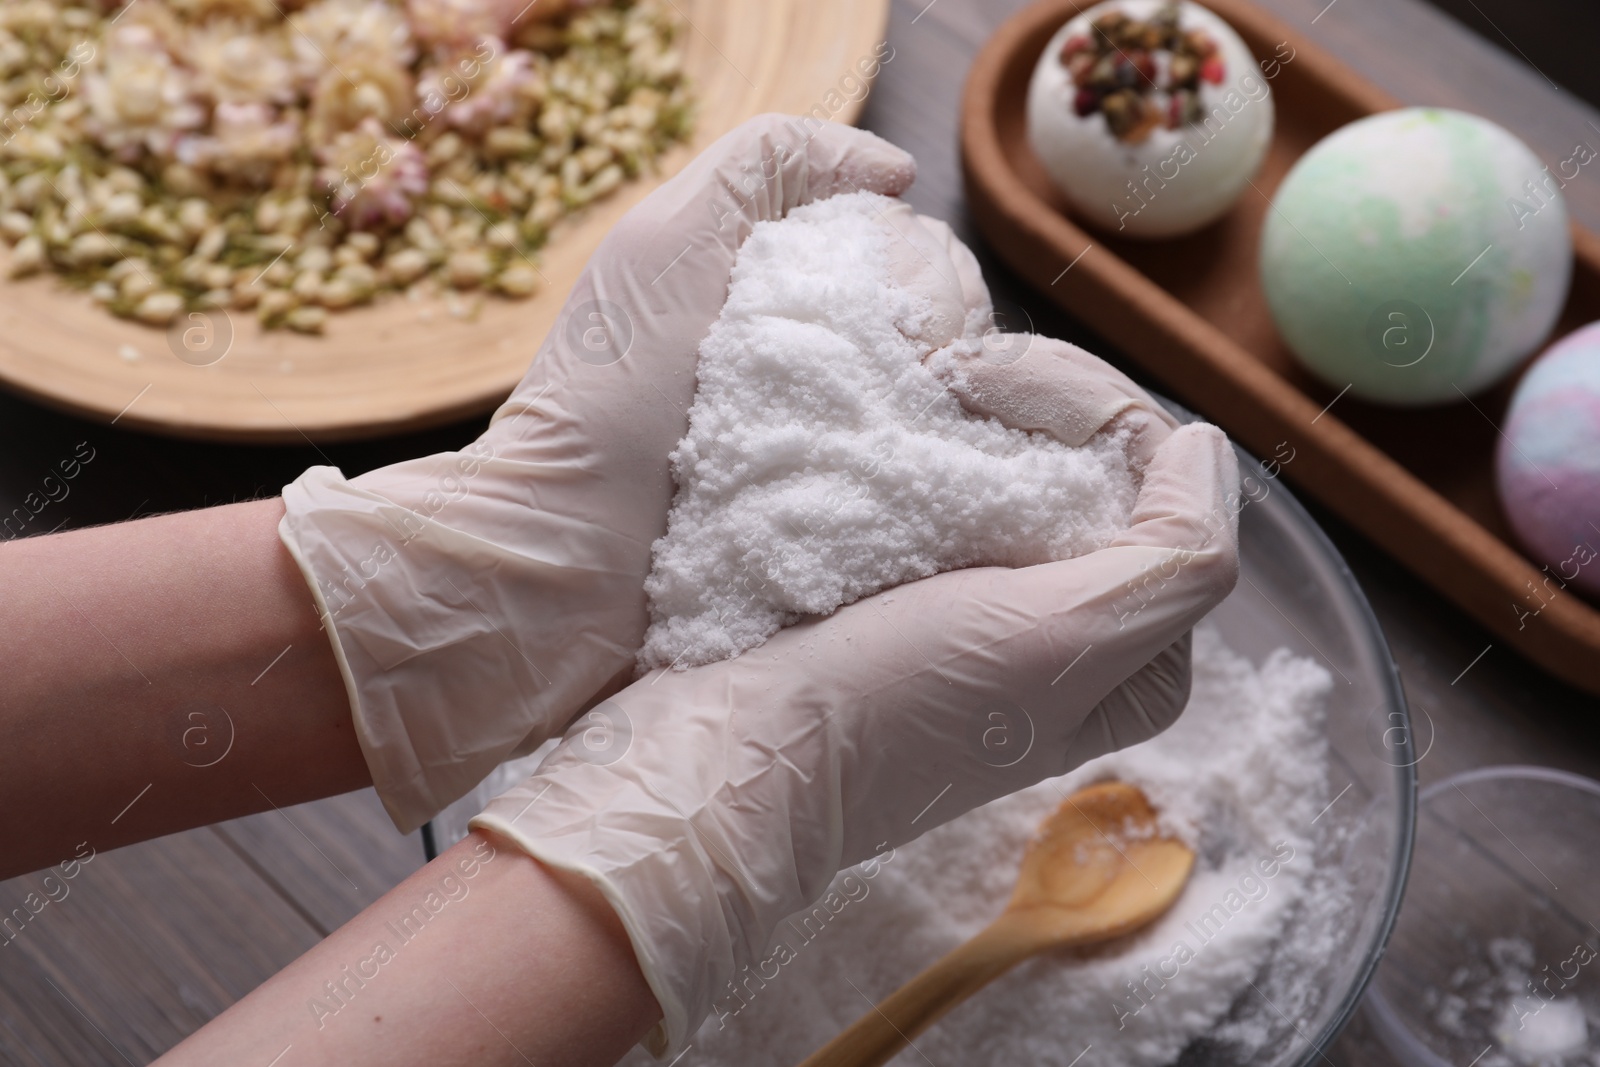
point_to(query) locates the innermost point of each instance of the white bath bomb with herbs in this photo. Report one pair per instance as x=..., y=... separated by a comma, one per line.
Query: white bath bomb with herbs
x=1416, y=256
x=826, y=457
x=1149, y=142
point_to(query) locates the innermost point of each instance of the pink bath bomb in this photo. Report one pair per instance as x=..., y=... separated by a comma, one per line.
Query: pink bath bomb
x=1548, y=465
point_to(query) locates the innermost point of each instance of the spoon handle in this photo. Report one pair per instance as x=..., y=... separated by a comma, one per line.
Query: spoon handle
x=875, y=1037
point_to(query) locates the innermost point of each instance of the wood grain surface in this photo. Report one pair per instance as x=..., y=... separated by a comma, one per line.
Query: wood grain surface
x=155, y=957
x=397, y=365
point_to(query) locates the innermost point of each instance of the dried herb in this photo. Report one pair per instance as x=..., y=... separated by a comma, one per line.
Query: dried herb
x=1141, y=74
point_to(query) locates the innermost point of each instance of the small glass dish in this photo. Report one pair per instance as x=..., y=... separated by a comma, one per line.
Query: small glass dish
x=1495, y=960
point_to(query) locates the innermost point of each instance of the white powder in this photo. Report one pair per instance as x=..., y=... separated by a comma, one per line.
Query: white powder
x=1543, y=1032
x=1241, y=776
x=825, y=462
x=1506, y=1000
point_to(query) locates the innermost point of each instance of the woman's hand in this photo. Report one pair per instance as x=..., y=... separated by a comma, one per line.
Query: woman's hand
x=478, y=600
x=708, y=804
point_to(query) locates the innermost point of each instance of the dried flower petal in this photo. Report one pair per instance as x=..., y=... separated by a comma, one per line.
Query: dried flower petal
x=238, y=66
x=374, y=179
x=293, y=157
x=138, y=97
x=1141, y=74
x=365, y=85
x=332, y=28
x=504, y=92
x=247, y=141
x=457, y=25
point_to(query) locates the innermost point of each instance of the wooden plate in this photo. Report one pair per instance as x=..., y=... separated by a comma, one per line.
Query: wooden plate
x=397, y=366
x=1191, y=311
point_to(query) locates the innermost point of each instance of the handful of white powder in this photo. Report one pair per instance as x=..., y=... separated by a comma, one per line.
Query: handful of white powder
x=826, y=459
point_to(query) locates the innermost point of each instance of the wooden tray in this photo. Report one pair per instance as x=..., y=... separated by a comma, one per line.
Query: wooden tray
x=396, y=366
x=1191, y=311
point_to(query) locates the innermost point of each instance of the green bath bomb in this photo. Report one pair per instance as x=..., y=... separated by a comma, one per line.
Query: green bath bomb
x=1417, y=255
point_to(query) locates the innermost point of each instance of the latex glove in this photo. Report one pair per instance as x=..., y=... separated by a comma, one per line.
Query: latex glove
x=709, y=804
x=477, y=600
x=1027, y=381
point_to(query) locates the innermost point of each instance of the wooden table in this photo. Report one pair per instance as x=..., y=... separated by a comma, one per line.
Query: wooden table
x=156, y=939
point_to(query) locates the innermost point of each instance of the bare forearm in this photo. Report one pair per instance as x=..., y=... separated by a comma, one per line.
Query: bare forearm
x=159, y=675
x=482, y=958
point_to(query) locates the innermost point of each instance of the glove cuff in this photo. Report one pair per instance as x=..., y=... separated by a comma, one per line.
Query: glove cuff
x=458, y=651
x=664, y=894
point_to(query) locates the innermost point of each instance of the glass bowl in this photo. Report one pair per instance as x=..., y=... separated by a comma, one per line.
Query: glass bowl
x=1496, y=957
x=1296, y=591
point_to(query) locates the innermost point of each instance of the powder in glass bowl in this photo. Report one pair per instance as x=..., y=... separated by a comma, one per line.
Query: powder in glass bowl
x=1241, y=777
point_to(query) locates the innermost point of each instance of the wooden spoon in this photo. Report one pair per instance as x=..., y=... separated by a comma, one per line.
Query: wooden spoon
x=1097, y=869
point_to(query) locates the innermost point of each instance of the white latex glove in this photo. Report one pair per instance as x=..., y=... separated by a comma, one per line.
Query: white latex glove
x=478, y=600
x=1026, y=381
x=709, y=804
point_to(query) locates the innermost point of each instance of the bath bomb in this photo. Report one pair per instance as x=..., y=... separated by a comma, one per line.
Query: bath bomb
x=1149, y=116
x=1416, y=256
x=1548, y=466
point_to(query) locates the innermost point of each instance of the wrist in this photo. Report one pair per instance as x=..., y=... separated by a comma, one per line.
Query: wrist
x=699, y=879
x=670, y=889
